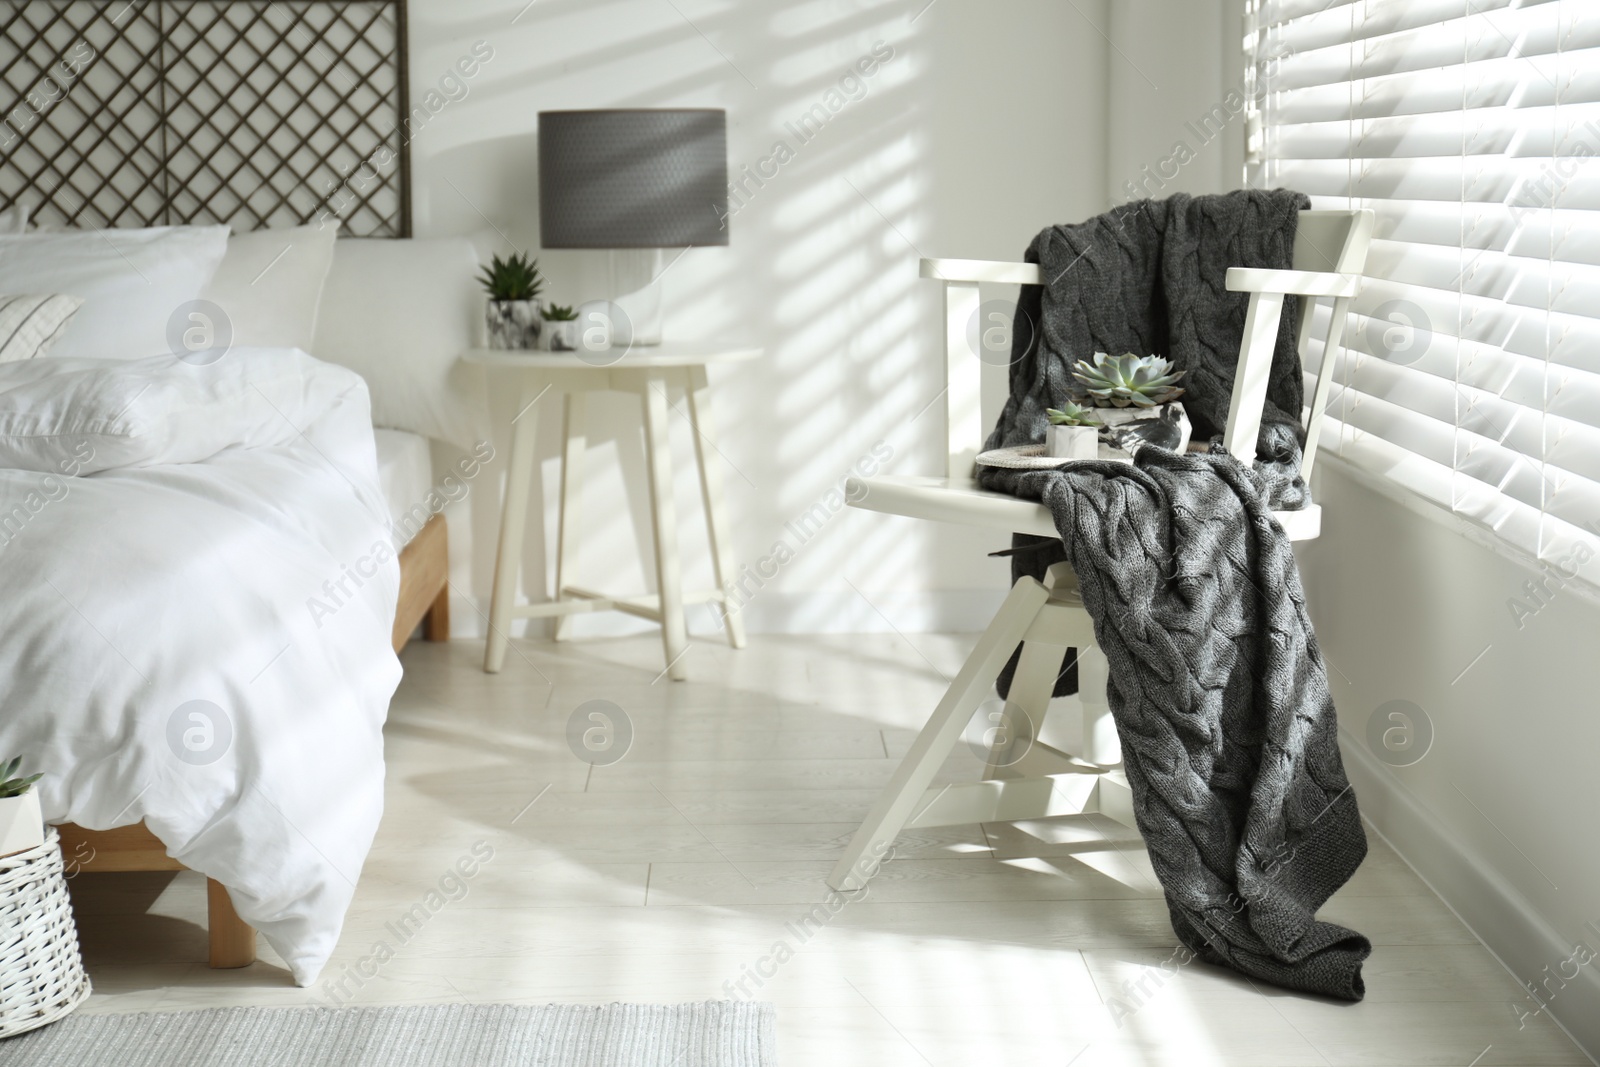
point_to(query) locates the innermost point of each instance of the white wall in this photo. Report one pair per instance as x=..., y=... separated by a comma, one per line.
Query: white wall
x=1171, y=64
x=1498, y=815
x=987, y=123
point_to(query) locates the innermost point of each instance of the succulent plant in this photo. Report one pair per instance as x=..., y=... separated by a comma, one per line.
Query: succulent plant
x=1128, y=380
x=558, y=313
x=516, y=278
x=1071, y=414
x=15, y=787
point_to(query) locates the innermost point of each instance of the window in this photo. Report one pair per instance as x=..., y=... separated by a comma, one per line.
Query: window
x=1472, y=129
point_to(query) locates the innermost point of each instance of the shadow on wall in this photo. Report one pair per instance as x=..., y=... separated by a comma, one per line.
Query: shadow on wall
x=833, y=201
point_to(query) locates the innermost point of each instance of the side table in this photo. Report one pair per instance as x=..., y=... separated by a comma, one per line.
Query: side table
x=653, y=374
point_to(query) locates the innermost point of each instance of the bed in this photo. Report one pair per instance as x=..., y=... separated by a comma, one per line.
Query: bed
x=392, y=300
x=259, y=547
x=405, y=476
x=199, y=594
x=176, y=114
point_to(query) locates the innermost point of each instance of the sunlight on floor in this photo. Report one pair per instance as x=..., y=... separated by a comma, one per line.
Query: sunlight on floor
x=694, y=867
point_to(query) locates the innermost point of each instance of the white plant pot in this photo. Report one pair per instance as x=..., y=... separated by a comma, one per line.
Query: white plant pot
x=512, y=325
x=1072, y=442
x=21, y=823
x=1113, y=417
x=561, y=336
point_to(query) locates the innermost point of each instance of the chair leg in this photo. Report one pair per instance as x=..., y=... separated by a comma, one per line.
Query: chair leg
x=233, y=941
x=1100, y=743
x=894, y=806
x=575, y=444
x=1026, y=706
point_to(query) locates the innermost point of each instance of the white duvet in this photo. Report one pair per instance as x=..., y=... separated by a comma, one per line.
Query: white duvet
x=197, y=588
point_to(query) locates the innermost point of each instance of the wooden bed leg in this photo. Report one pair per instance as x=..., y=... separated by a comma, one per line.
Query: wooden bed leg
x=424, y=566
x=436, y=625
x=233, y=942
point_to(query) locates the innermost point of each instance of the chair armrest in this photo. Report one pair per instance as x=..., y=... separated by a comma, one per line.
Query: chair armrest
x=980, y=270
x=1291, y=282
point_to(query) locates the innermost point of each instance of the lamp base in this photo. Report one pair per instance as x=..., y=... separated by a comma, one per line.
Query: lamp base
x=636, y=285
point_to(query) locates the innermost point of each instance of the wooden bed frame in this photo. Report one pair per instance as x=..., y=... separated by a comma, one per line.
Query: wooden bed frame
x=425, y=599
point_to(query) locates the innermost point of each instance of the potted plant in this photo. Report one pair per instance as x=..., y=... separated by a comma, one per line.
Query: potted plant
x=512, y=314
x=562, y=330
x=21, y=823
x=1133, y=389
x=1074, y=433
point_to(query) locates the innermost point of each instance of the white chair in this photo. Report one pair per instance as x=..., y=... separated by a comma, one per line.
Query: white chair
x=1068, y=767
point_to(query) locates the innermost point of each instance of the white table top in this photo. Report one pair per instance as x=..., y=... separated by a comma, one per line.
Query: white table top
x=670, y=354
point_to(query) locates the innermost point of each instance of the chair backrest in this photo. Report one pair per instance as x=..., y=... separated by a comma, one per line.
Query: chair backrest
x=1330, y=249
x=1334, y=241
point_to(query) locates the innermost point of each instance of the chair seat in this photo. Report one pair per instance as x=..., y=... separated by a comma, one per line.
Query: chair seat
x=960, y=501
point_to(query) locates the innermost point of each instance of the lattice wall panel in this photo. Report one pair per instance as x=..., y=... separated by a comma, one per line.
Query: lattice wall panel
x=255, y=113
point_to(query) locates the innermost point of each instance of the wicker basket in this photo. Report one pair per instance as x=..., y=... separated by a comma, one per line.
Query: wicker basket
x=41, y=973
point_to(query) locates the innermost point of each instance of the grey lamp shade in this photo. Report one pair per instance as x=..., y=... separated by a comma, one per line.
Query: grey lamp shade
x=634, y=178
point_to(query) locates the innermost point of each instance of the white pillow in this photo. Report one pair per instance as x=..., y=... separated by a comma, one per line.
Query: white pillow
x=82, y=416
x=138, y=286
x=399, y=312
x=269, y=283
x=30, y=323
x=14, y=219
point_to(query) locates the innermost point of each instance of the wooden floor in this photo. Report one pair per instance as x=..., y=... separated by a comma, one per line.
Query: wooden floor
x=691, y=864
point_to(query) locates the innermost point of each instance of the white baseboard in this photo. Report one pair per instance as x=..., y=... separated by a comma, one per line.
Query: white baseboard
x=1496, y=913
x=844, y=611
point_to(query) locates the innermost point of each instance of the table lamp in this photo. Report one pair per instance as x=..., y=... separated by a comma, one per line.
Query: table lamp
x=634, y=178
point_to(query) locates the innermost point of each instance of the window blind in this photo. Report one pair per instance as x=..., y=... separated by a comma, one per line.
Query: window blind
x=1471, y=372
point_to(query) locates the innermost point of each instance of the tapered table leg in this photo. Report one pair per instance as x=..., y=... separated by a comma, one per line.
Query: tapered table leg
x=575, y=444
x=513, y=521
x=664, y=520
x=708, y=459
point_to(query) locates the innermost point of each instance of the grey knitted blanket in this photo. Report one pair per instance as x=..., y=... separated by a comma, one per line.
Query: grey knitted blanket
x=1217, y=685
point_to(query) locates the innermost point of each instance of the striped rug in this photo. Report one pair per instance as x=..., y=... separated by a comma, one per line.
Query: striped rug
x=712, y=1034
